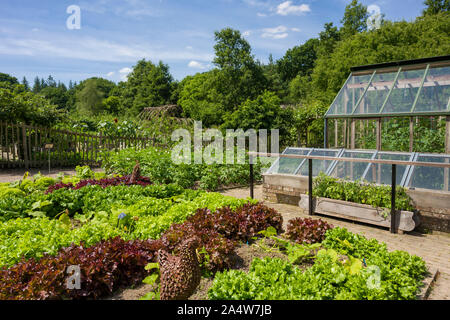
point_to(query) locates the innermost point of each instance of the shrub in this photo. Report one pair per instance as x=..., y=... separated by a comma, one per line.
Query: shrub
x=307, y=230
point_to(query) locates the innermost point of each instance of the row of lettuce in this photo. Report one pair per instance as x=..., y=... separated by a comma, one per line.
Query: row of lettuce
x=112, y=229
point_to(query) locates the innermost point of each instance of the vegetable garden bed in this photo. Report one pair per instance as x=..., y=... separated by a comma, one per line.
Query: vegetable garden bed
x=406, y=220
x=112, y=228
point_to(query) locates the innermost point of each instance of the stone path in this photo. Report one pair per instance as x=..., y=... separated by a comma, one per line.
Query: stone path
x=433, y=248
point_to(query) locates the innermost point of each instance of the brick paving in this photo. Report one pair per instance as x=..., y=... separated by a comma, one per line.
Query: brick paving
x=433, y=248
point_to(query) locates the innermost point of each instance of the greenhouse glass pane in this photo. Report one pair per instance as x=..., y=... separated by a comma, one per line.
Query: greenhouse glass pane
x=349, y=95
x=287, y=165
x=318, y=165
x=404, y=92
x=376, y=93
x=382, y=173
x=435, y=93
x=351, y=170
x=430, y=177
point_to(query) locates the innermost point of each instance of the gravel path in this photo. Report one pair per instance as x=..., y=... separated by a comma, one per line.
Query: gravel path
x=11, y=175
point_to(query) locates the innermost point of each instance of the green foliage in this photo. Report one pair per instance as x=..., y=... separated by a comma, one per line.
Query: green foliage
x=436, y=6
x=158, y=166
x=298, y=61
x=90, y=94
x=154, y=280
x=20, y=106
x=355, y=19
x=148, y=85
x=97, y=211
x=200, y=98
x=262, y=113
x=360, y=192
x=332, y=277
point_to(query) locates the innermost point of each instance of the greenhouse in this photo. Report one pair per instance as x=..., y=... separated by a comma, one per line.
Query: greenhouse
x=413, y=91
x=406, y=102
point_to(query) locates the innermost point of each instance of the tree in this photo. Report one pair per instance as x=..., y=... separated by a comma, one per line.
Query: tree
x=240, y=76
x=50, y=82
x=264, y=112
x=148, y=85
x=90, y=93
x=8, y=78
x=298, y=60
x=355, y=19
x=200, y=99
x=37, y=85
x=436, y=6
x=21, y=106
x=56, y=95
x=25, y=83
x=232, y=50
x=112, y=105
x=392, y=42
x=328, y=38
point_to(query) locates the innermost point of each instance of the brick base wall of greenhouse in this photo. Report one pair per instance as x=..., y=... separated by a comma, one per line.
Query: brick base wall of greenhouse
x=433, y=207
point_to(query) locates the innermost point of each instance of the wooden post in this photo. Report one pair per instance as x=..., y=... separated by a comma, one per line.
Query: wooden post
x=344, y=144
x=447, y=135
x=336, y=133
x=25, y=147
x=353, y=135
x=411, y=134
x=379, y=134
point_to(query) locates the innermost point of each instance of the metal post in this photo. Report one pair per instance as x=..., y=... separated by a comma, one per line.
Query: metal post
x=325, y=134
x=310, y=187
x=49, y=170
x=252, y=191
x=393, y=193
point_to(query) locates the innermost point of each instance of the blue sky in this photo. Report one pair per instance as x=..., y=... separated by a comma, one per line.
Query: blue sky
x=114, y=34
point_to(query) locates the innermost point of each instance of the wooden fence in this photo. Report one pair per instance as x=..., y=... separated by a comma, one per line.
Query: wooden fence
x=24, y=146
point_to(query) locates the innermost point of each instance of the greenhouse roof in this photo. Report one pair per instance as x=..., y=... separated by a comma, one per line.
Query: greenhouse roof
x=404, y=88
x=413, y=176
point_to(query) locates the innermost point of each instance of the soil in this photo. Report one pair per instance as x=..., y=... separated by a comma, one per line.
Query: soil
x=241, y=260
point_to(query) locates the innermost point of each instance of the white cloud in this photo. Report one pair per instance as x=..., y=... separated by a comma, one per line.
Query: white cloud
x=287, y=8
x=247, y=33
x=110, y=74
x=296, y=30
x=279, y=32
x=275, y=36
x=259, y=14
x=92, y=49
x=125, y=70
x=189, y=48
x=124, y=73
x=196, y=65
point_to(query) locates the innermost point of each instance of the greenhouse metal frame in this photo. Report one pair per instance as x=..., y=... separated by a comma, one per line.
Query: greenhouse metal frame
x=412, y=88
x=408, y=176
